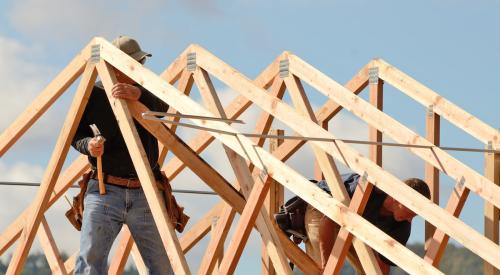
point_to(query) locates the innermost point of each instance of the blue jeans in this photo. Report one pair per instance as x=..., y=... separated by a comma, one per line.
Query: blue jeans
x=103, y=217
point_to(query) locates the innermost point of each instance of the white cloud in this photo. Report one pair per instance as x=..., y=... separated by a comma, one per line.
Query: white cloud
x=14, y=199
x=23, y=77
x=82, y=19
x=21, y=171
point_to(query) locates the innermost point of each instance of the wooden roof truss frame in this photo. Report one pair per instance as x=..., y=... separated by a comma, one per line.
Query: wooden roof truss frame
x=256, y=169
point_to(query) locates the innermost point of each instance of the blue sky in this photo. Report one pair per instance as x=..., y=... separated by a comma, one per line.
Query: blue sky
x=450, y=46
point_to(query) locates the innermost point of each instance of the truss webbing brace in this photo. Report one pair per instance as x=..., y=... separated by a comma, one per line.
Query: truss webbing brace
x=191, y=62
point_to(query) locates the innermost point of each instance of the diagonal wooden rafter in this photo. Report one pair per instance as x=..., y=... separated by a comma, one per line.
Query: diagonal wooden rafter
x=53, y=169
x=362, y=192
x=201, y=228
x=263, y=126
x=263, y=159
x=392, y=128
x=139, y=262
x=120, y=258
x=440, y=105
x=44, y=100
x=50, y=249
x=185, y=80
x=245, y=225
x=240, y=104
x=383, y=180
x=326, y=112
x=216, y=244
x=224, y=225
x=449, y=165
x=69, y=264
x=144, y=172
x=439, y=240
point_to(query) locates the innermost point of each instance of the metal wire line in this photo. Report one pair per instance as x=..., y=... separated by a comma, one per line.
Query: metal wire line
x=351, y=141
x=34, y=184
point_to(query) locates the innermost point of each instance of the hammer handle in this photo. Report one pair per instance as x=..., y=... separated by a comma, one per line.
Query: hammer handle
x=100, y=176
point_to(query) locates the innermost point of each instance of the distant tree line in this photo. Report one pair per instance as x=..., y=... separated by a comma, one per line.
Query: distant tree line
x=37, y=264
x=456, y=260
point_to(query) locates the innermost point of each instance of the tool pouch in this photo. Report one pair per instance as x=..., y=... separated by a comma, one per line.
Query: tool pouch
x=175, y=211
x=75, y=214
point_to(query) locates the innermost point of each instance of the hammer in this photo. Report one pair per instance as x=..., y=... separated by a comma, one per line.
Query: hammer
x=100, y=176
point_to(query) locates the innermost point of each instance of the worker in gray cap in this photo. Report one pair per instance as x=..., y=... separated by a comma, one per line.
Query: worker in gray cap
x=124, y=202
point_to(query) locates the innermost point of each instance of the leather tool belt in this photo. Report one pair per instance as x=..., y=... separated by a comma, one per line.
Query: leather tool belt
x=132, y=183
x=176, y=212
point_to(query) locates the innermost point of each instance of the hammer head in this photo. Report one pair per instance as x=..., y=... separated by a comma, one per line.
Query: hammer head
x=97, y=133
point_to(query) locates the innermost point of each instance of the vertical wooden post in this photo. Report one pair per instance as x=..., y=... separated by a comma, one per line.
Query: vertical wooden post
x=376, y=86
x=274, y=199
x=492, y=172
x=432, y=126
x=318, y=174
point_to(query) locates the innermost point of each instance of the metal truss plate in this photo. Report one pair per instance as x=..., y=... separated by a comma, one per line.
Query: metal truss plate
x=373, y=75
x=191, y=62
x=284, y=68
x=95, y=53
x=461, y=183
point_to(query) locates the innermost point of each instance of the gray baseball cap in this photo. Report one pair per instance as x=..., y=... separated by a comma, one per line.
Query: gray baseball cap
x=130, y=46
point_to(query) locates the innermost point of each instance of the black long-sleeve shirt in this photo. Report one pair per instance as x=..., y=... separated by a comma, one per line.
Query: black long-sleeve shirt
x=116, y=160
